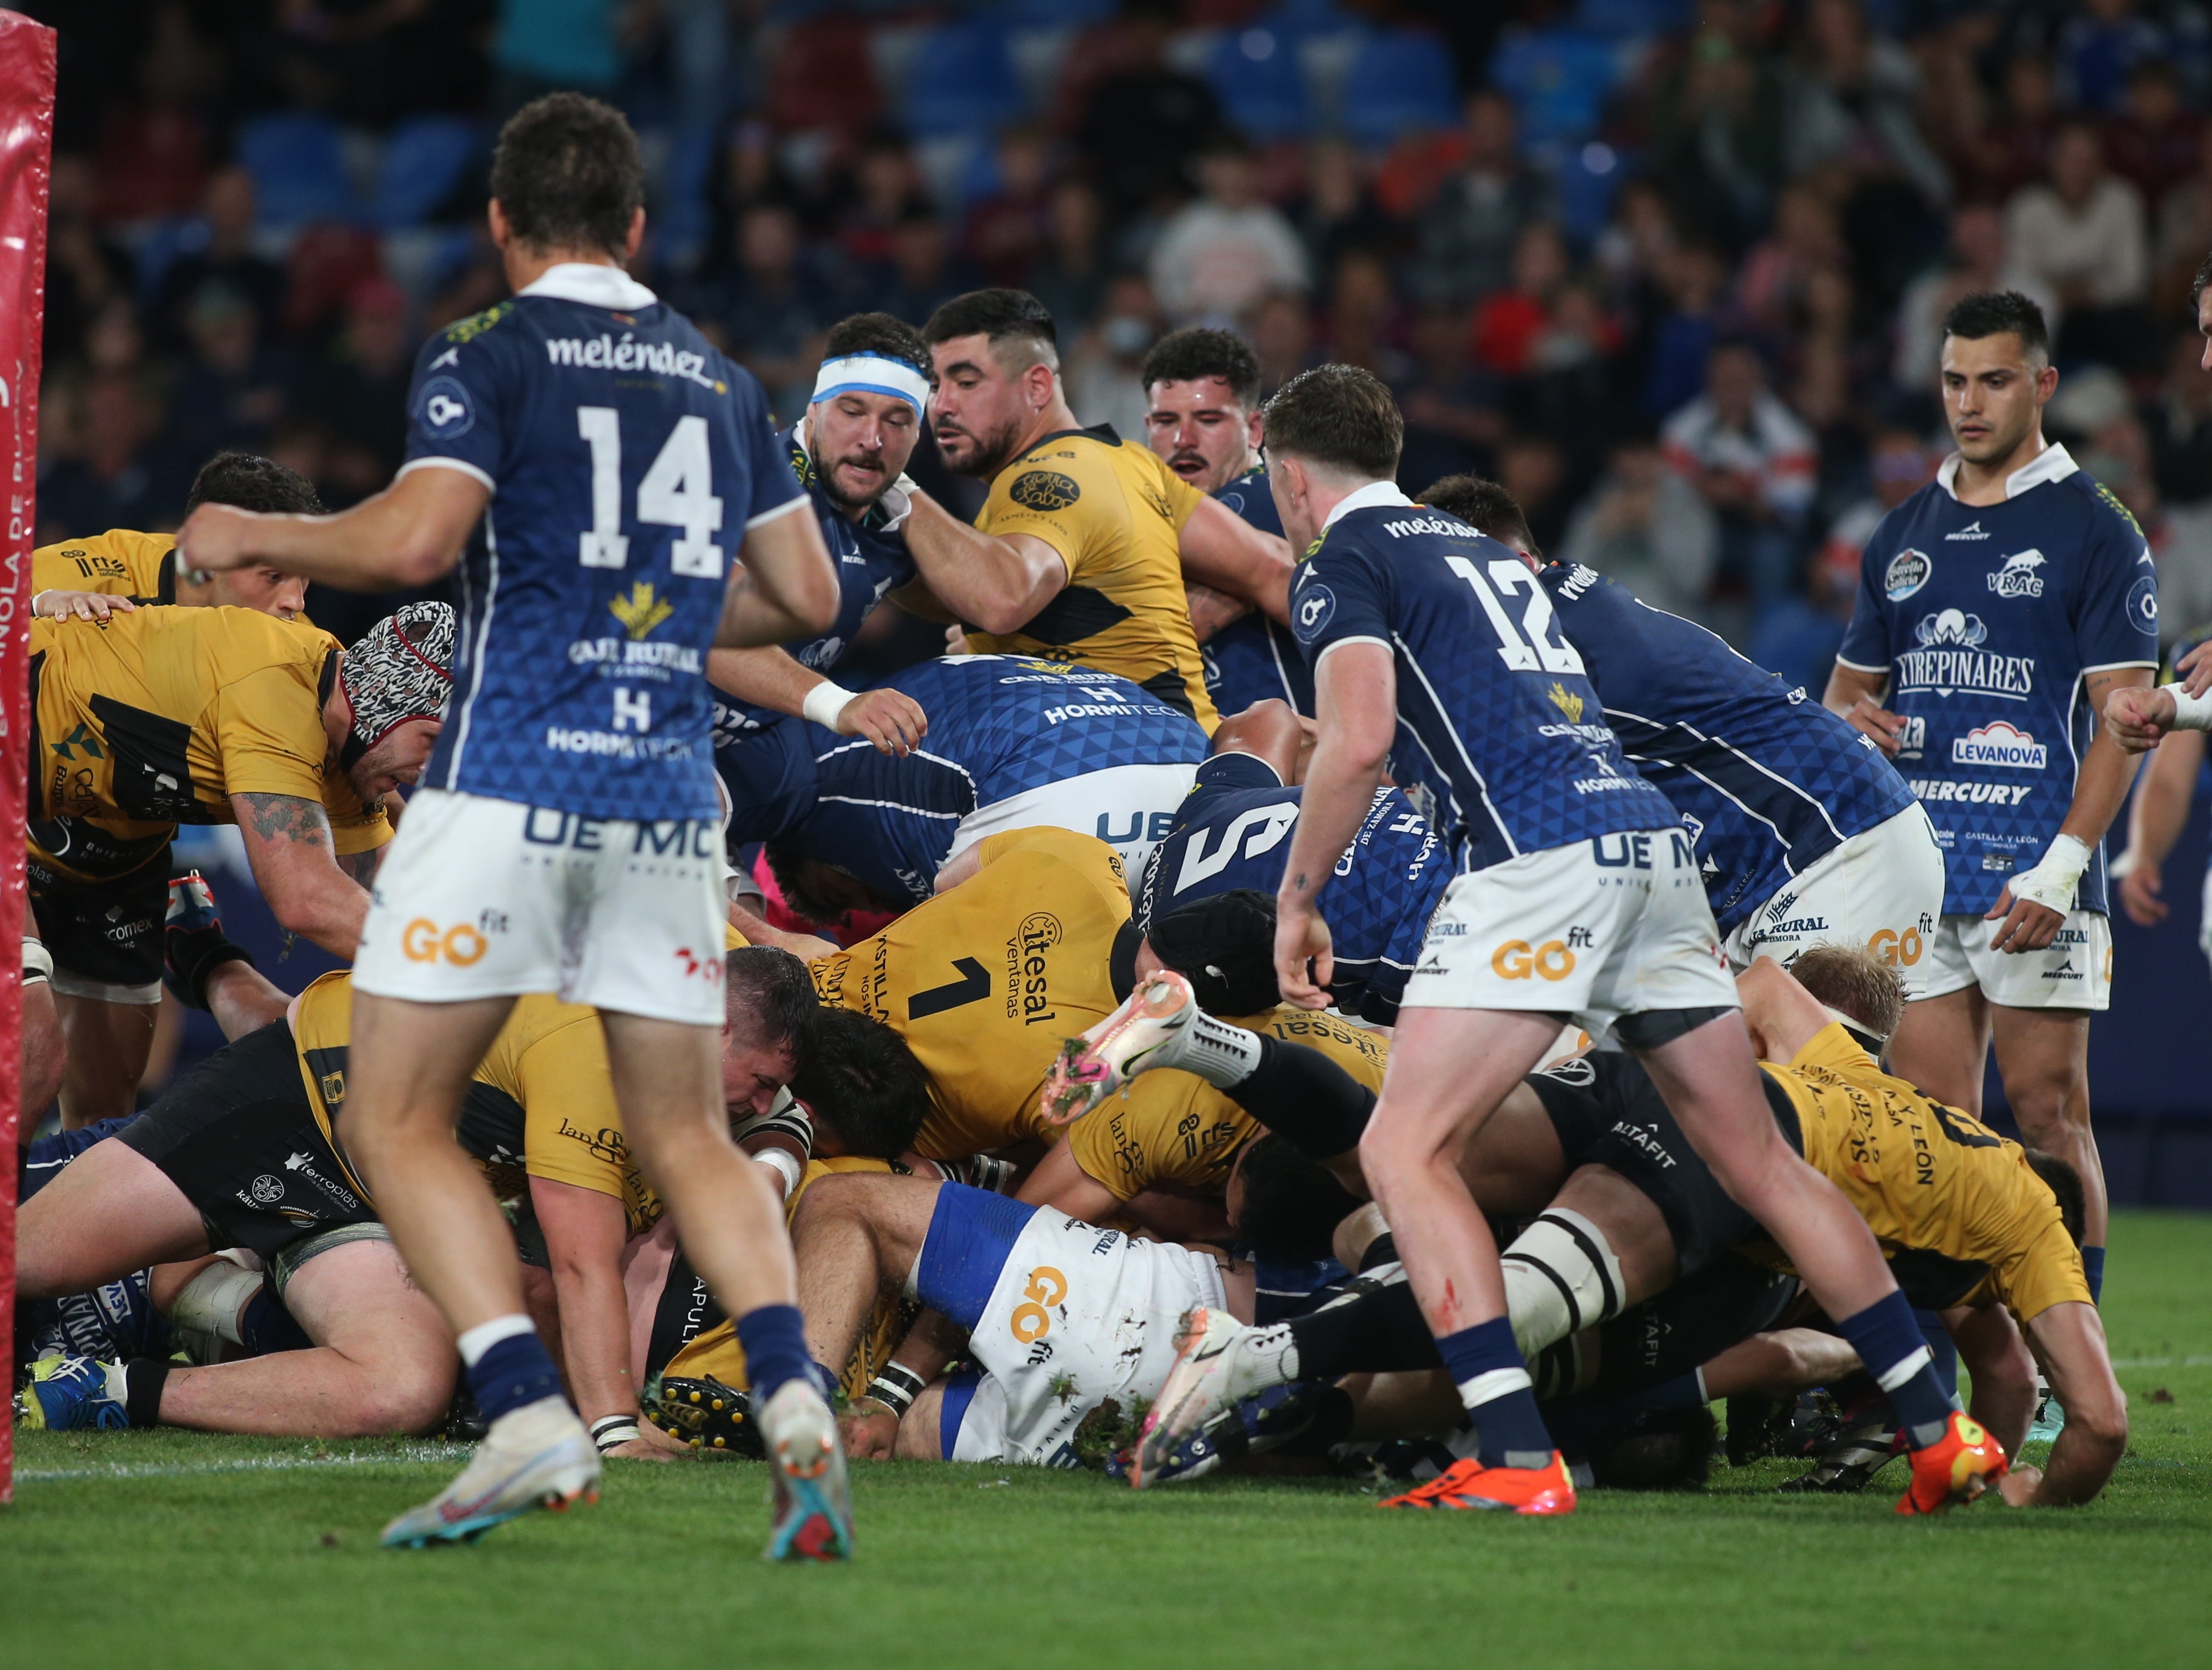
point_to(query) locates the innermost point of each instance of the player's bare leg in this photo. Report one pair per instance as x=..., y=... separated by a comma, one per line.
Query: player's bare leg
x=110, y=1210
x=2042, y=1055
x=855, y=1235
x=382, y=1362
x=408, y=1068
x=45, y=1051
x=668, y=1082
x=107, y=1044
x=1941, y=1046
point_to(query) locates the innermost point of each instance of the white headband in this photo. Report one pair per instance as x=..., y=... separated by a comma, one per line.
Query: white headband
x=873, y=373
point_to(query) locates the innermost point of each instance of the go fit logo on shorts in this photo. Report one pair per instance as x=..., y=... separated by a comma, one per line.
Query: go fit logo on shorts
x=1032, y=1321
x=1895, y=950
x=1555, y=960
x=422, y=941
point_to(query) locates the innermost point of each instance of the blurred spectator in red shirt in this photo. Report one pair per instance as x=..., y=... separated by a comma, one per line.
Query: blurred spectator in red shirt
x=1007, y=229
x=2154, y=141
x=1508, y=323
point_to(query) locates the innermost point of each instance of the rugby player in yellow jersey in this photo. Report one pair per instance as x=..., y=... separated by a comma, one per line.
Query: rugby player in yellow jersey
x=162, y=716
x=248, y=1150
x=123, y=568
x=1082, y=551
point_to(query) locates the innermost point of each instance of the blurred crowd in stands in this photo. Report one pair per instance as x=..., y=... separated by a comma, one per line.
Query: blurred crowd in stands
x=1672, y=272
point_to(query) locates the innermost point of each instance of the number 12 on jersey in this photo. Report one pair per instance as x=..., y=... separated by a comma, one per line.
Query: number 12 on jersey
x=677, y=491
x=1539, y=650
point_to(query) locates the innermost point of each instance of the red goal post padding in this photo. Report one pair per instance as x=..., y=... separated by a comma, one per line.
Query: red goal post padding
x=26, y=133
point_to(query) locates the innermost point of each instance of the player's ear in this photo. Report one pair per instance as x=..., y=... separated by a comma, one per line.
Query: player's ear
x=495, y=218
x=634, y=237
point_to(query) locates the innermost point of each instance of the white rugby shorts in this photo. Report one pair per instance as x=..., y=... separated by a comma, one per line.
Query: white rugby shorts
x=1613, y=926
x=1130, y=807
x=1881, y=889
x=1078, y=1314
x=484, y=897
x=2075, y=971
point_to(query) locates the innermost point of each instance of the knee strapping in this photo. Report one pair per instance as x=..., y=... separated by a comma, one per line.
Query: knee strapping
x=1561, y=1277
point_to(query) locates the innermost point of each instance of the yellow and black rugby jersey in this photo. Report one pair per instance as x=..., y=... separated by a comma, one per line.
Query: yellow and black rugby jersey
x=1943, y=1193
x=1174, y=1127
x=120, y=562
x=987, y=981
x=541, y=1102
x=145, y=721
x=1115, y=512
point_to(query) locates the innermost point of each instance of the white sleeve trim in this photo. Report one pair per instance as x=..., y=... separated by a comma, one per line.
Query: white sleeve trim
x=1328, y=650
x=783, y=510
x=439, y=461
x=2117, y=666
x=1861, y=667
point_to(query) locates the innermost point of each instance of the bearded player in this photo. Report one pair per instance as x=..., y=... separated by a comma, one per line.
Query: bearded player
x=567, y=840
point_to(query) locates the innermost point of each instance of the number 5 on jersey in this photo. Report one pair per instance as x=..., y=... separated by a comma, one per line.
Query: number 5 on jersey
x=677, y=491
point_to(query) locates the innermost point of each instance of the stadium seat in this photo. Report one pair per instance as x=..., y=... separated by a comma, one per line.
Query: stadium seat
x=961, y=81
x=1589, y=175
x=1254, y=73
x=1631, y=19
x=1399, y=82
x=1558, y=79
x=298, y=164
x=422, y=165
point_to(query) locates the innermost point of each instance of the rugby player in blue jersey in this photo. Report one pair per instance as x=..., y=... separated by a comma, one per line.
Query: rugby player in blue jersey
x=1202, y=416
x=1806, y=835
x=850, y=452
x=1014, y=744
x=2000, y=607
x=1578, y=896
x=611, y=463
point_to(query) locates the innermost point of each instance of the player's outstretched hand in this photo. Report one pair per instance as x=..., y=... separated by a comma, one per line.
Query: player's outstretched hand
x=652, y=1445
x=213, y=539
x=2026, y=925
x=2195, y=668
x=84, y=606
x=2138, y=717
x=871, y=1431
x=1870, y=718
x=891, y=719
x=2139, y=895
x=1305, y=961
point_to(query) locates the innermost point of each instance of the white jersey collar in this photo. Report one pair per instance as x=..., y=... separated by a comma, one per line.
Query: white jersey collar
x=592, y=284
x=1374, y=493
x=2053, y=463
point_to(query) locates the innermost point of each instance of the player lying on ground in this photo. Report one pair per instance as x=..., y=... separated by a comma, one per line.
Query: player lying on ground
x=1926, y=1177
x=249, y=1150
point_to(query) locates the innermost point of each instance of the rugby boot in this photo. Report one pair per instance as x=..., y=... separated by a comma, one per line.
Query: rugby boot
x=1469, y=1486
x=813, y=1515
x=537, y=1456
x=1862, y=1444
x=1957, y=1467
x=1256, y=1425
x=1142, y=1033
x=706, y=1415
x=73, y=1394
x=2050, y=1415
x=1214, y=1367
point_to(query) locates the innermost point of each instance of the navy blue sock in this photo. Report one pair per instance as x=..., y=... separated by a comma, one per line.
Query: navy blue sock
x=1942, y=1355
x=776, y=1349
x=265, y=1326
x=512, y=1372
x=1888, y=1342
x=1487, y=1366
x=2092, y=1266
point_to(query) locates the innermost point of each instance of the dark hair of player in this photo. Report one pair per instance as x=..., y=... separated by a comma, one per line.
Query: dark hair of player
x=1338, y=417
x=567, y=174
x=2066, y=1183
x=1291, y=1204
x=1006, y=317
x=252, y=482
x=2203, y=282
x=790, y=867
x=864, y=1084
x=1484, y=506
x=1853, y=982
x=1197, y=352
x=1987, y=313
x=877, y=333
x=1224, y=945
x=768, y=998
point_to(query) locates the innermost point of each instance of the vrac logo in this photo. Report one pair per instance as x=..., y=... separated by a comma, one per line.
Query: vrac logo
x=2018, y=577
x=2000, y=745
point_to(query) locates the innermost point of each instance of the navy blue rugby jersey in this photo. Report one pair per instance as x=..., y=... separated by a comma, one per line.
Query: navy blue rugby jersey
x=870, y=562
x=1497, y=721
x=1767, y=780
x=1986, y=618
x=1234, y=831
x=1252, y=659
x=999, y=726
x=626, y=458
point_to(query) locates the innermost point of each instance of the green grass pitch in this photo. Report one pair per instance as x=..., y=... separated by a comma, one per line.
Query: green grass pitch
x=171, y=1549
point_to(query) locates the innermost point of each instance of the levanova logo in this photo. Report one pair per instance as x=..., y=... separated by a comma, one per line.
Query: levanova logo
x=1999, y=745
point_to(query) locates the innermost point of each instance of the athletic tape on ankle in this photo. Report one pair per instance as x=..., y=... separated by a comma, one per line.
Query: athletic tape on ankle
x=38, y=962
x=1561, y=1277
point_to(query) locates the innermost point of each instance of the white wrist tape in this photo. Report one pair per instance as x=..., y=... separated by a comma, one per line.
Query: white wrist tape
x=824, y=702
x=2051, y=882
x=38, y=962
x=2190, y=712
x=783, y=1165
x=897, y=503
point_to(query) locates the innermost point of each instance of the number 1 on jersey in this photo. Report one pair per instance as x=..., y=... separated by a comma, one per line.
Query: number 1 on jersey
x=677, y=491
x=1528, y=648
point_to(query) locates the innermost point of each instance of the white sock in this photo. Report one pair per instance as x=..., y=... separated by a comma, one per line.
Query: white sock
x=475, y=1342
x=1223, y=1054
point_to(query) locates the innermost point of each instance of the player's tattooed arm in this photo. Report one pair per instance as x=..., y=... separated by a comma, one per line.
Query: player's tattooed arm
x=289, y=846
x=361, y=865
